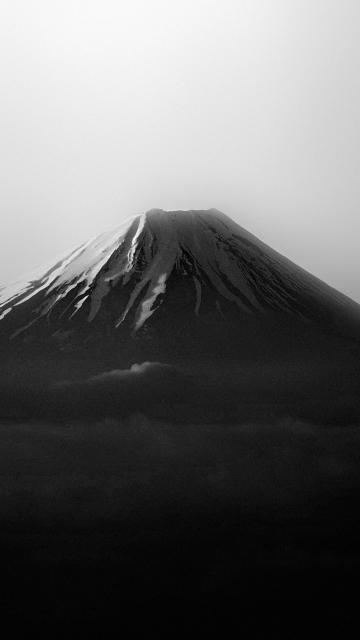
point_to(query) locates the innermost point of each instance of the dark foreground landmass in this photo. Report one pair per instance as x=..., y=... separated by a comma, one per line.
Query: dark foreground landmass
x=116, y=527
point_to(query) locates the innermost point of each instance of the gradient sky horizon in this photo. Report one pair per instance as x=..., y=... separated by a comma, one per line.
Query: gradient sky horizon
x=250, y=106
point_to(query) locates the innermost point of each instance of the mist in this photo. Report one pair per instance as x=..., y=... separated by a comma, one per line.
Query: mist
x=252, y=107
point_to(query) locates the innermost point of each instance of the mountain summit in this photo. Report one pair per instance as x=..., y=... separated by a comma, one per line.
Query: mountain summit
x=170, y=283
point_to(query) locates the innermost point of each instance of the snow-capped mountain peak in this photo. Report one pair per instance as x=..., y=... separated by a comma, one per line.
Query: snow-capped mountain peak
x=140, y=259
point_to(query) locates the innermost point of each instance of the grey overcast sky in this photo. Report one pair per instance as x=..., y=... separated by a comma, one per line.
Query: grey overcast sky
x=112, y=107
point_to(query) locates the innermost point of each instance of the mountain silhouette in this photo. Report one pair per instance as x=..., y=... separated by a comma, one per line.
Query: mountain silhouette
x=176, y=287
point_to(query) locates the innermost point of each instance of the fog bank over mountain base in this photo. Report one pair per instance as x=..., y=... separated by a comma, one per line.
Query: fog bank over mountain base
x=119, y=469
x=147, y=524
x=157, y=495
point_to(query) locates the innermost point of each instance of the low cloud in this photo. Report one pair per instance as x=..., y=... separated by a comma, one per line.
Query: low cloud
x=171, y=393
x=151, y=387
x=141, y=369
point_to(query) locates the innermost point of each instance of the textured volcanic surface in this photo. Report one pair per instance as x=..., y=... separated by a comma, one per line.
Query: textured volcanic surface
x=172, y=287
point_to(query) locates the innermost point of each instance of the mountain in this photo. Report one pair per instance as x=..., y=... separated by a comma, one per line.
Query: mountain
x=171, y=286
x=169, y=397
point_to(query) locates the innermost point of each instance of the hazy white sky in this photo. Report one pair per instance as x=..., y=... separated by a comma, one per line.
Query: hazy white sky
x=112, y=107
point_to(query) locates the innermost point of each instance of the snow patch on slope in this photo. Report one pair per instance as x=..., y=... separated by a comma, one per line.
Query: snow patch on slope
x=147, y=306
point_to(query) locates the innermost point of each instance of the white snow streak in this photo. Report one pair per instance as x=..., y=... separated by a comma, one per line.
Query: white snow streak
x=5, y=313
x=146, y=308
x=78, y=305
x=131, y=253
